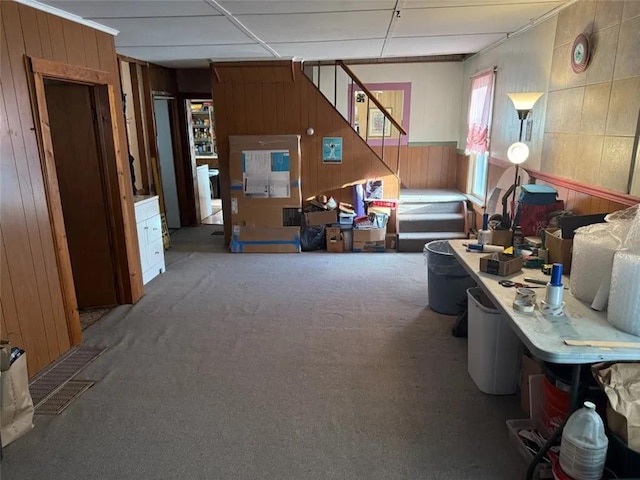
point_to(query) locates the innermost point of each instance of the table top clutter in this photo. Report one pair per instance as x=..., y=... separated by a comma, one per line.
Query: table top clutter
x=543, y=335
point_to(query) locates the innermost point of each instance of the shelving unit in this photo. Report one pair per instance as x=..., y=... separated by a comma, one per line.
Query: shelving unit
x=202, y=129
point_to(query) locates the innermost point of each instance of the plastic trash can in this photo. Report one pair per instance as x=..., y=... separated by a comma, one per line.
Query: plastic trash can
x=494, y=350
x=447, y=280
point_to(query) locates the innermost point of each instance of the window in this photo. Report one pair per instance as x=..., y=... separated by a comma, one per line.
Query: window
x=478, y=131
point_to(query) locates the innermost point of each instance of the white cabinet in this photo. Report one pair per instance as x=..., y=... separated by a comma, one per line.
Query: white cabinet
x=149, y=227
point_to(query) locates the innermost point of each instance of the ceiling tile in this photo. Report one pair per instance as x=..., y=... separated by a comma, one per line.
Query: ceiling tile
x=134, y=8
x=306, y=6
x=318, y=26
x=476, y=19
x=330, y=50
x=165, y=31
x=159, y=54
x=401, y=47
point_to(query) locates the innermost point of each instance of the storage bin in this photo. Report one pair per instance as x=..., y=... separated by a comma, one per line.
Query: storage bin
x=494, y=350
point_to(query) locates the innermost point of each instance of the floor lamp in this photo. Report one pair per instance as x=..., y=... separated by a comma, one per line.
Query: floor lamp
x=518, y=152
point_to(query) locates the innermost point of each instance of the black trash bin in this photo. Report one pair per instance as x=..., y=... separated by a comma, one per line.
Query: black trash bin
x=447, y=280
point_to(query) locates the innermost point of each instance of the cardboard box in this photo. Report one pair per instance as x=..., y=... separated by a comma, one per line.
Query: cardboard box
x=529, y=367
x=503, y=238
x=501, y=264
x=560, y=249
x=369, y=240
x=335, y=240
x=265, y=240
x=321, y=218
x=391, y=241
x=265, y=192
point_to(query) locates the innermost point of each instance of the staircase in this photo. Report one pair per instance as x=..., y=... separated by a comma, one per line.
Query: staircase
x=426, y=215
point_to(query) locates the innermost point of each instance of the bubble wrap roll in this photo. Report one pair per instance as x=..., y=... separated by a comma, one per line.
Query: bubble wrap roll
x=592, y=257
x=624, y=298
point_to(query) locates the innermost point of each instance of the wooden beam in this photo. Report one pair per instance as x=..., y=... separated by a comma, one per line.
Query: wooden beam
x=138, y=111
x=50, y=178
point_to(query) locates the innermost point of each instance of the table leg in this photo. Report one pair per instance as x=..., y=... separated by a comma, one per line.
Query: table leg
x=573, y=405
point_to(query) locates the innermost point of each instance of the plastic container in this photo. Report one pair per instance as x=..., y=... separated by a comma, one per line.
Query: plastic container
x=514, y=427
x=447, y=280
x=583, y=450
x=494, y=351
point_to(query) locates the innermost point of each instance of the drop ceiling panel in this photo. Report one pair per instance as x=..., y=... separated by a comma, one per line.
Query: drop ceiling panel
x=165, y=31
x=401, y=47
x=189, y=53
x=318, y=26
x=330, y=50
x=477, y=19
x=305, y=6
x=135, y=8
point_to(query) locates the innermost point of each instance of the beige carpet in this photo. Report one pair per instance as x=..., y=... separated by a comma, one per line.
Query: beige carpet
x=310, y=366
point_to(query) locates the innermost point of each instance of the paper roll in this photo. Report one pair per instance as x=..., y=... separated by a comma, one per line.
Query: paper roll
x=524, y=306
x=526, y=294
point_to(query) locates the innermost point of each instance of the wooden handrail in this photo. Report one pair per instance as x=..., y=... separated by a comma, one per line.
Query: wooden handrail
x=375, y=101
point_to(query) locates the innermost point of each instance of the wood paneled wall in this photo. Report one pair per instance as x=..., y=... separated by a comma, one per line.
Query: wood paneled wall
x=425, y=166
x=276, y=98
x=163, y=79
x=32, y=313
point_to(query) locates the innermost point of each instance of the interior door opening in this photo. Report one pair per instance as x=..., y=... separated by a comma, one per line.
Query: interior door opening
x=82, y=182
x=204, y=159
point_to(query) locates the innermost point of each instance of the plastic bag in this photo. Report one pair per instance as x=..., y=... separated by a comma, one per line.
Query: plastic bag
x=312, y=238
x=594, y=247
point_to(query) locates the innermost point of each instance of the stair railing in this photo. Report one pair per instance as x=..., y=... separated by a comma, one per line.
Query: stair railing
x=353, y=79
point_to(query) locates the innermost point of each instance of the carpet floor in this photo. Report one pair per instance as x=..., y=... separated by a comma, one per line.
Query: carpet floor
x=311, y=366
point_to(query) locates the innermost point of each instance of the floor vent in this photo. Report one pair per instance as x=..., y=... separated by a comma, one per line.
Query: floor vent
x=47, y=383
x=63, y=396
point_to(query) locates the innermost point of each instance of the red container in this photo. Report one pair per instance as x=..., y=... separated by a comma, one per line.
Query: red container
x=555, y=405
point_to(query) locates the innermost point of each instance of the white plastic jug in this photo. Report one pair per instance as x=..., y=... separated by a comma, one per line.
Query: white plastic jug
x=583, y=450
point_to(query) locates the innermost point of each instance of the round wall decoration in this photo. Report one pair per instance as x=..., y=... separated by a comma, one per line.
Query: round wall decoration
x=580, y=54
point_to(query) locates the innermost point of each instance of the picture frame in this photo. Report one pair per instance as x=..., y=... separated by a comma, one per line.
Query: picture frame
x=332, y=150
x=378, y=127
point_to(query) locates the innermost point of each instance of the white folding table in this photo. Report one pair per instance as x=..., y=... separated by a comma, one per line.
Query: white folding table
x=545, y=336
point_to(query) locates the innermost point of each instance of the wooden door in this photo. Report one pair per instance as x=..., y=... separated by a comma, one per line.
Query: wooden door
x=80, y=171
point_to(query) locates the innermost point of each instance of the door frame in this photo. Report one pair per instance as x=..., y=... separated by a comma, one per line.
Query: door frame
x=117, y=182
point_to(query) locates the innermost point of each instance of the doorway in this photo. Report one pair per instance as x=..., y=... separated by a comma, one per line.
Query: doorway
x=82, y=184
x=166, y=161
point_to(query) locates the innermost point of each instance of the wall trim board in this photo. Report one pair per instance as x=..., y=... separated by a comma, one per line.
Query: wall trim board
x=68, y=72
x=599, y=192
x=433, y=144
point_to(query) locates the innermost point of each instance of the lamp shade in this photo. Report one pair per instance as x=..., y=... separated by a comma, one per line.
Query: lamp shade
x=518, y=153
x=525, y=100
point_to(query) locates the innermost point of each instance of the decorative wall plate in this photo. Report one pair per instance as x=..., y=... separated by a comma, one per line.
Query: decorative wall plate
x=580, y=53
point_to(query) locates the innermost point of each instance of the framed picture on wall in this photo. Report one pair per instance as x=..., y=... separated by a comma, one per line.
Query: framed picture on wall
x=378, y=126
x=332, y=150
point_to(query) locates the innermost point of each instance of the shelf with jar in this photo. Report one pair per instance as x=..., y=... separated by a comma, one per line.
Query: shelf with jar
x=202, y=129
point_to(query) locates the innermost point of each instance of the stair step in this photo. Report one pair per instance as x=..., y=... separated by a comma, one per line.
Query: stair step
x=431, y=196
x=426, y=208
x=415, y=241
x=431, y=222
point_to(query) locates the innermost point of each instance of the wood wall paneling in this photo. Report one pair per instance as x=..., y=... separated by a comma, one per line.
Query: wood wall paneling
x=275, y=98
x=33, y=309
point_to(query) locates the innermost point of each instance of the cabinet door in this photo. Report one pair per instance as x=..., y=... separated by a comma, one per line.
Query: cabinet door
x=154, y=229
x=143, y=244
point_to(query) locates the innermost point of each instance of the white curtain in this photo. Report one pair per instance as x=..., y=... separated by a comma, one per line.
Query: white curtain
x=479, y=113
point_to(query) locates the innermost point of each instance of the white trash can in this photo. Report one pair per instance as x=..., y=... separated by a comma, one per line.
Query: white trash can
x=494, y=350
